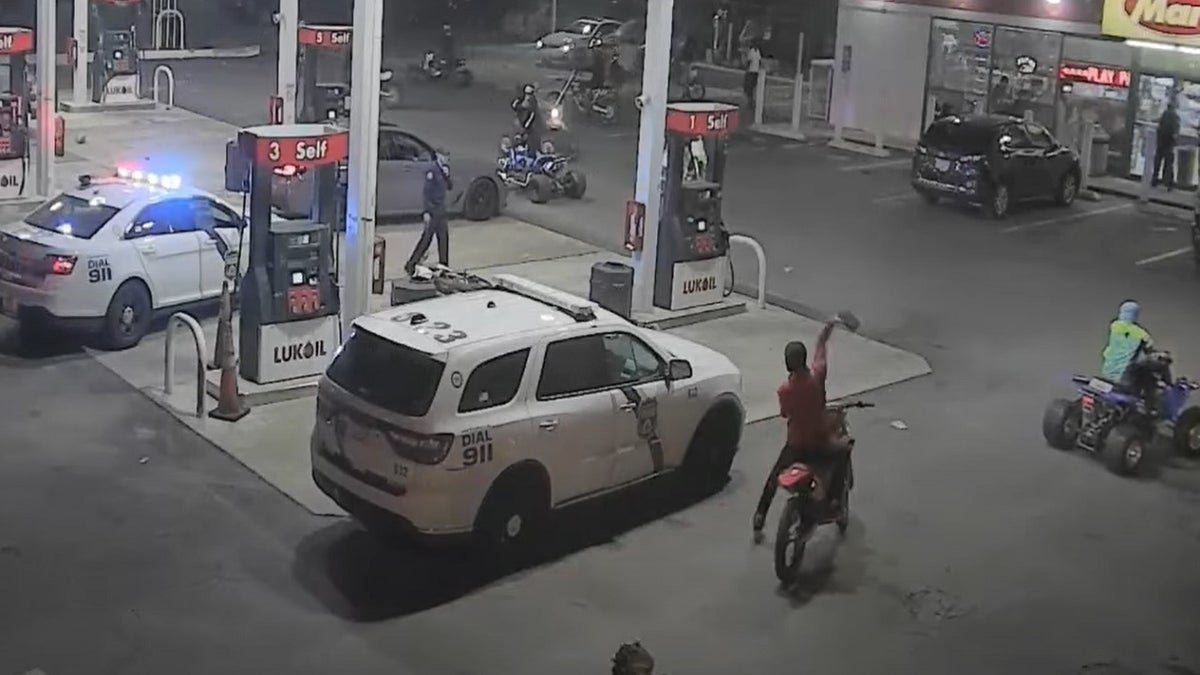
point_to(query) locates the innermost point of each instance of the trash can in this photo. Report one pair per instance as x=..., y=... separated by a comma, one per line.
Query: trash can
x=1185, y=167
x=611, y=287
x=1098, y=162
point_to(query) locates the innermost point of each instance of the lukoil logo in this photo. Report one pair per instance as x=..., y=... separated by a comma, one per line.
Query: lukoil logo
x=1170, y=17
x=299, y=351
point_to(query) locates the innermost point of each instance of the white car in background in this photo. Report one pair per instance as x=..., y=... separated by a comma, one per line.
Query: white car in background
x=479, y=413
x=560, y=48
x=110, y=254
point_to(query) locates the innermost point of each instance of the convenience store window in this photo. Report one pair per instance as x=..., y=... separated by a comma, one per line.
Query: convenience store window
x=960, y=54
x=1024, y=73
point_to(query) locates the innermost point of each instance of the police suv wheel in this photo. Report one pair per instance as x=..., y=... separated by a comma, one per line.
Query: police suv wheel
x=710, y=454
x=513, y=512
x=128, y=316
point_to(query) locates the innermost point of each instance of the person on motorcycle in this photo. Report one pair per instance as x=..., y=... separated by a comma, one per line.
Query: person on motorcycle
x=802, y=405
x=529, y=117
x=598, y=66
x=1129, y=357
x=449, y=53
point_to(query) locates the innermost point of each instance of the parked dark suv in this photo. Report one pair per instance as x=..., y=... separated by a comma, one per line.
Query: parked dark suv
x=994, y=161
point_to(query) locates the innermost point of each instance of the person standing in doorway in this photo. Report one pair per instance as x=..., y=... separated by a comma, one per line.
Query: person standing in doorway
x=1167, y=138
x=750, y=80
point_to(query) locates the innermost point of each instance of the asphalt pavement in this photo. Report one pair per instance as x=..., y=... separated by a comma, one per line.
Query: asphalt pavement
x=974, y=547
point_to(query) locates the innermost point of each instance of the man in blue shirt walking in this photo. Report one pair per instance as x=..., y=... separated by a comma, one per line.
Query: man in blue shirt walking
x=437, y=185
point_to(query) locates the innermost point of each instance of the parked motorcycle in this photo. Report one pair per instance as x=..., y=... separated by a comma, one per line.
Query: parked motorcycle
x=804, y=512
x=434, y=68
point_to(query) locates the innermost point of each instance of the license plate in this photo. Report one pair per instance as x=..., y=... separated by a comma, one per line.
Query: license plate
x=1100, y=386
x=941, y=164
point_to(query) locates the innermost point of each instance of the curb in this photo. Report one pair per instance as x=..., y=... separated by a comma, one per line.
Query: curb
x=248, y=52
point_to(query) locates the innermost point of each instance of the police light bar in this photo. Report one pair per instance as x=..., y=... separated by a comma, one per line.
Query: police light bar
x=576, y=308
x=164, y=181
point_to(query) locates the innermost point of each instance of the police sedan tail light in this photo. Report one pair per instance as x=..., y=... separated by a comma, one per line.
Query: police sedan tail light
x=61, y=264
x=576, y=308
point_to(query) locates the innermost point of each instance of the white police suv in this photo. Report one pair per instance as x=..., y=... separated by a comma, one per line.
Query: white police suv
x=108, y=255
x=480, y=412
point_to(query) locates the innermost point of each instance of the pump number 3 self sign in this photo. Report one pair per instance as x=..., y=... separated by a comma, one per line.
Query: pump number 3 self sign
x=308, y=151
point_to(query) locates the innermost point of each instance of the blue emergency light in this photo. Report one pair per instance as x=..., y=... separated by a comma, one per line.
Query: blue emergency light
x=164, y=181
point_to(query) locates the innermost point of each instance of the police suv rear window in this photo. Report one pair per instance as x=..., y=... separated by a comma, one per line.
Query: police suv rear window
x=71, y=215
x=391, y=376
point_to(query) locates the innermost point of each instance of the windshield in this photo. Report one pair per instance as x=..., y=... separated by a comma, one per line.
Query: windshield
x=70, y=215
x=391, y=376
x=958, y=137
x=581, y=27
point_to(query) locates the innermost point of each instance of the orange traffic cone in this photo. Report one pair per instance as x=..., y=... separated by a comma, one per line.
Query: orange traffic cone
x=230, y=407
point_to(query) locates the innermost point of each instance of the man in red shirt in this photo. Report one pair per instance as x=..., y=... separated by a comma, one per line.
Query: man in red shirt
x=802, y=405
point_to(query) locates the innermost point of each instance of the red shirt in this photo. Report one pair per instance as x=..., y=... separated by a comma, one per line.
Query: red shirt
x=802, y=400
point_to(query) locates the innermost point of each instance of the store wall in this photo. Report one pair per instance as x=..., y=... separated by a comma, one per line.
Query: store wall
x=883, y=91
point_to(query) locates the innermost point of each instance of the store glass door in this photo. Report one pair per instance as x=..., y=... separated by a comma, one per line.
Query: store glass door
x=1154, y=92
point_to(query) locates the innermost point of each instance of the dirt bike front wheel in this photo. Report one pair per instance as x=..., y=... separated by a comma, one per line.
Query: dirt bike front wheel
x=790, y=542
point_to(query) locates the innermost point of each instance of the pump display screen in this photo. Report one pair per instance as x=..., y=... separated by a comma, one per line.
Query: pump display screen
x=297, y=278
x=300, y=240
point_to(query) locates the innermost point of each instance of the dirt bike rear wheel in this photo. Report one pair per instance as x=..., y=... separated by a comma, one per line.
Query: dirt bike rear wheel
x=789, y=543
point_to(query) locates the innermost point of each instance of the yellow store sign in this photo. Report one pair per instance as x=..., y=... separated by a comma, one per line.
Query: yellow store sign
x=1173, y=21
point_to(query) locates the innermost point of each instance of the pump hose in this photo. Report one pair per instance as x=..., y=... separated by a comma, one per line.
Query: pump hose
x=728, y=290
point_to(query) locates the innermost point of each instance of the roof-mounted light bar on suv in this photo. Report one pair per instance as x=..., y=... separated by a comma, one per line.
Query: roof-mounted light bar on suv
x=572, y=306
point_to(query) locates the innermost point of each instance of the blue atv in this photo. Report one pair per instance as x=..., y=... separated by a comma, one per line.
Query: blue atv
x=541, y=171
x=1119, y=425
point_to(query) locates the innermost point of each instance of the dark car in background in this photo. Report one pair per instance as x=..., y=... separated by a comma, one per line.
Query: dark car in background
x=994, y=161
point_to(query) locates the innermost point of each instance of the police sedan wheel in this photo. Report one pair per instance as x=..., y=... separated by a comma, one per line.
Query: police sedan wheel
x=128, y=316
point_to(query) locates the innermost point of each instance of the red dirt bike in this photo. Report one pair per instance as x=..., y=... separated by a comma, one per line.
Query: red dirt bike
x=804, y=512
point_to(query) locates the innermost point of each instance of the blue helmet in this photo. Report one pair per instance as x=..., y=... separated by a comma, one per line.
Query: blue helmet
x=1129, y=311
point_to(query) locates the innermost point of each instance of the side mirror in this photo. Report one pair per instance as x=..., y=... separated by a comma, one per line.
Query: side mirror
x=678, y=369
x=848, y=321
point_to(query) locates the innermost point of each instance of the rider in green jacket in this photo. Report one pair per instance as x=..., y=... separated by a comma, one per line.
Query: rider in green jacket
x=1127, y=340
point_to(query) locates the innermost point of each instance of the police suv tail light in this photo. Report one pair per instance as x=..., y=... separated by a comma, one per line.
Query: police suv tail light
x=61, y=264
x=420, y=448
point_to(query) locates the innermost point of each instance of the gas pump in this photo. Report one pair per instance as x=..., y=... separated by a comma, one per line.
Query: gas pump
x=693, y=244
x=323, y=73
x=115, y=68
x=289, y=311
x=15, y=43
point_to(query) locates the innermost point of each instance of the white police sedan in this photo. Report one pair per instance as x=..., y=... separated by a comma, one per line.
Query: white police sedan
x=108, y=255
x=478, y=413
